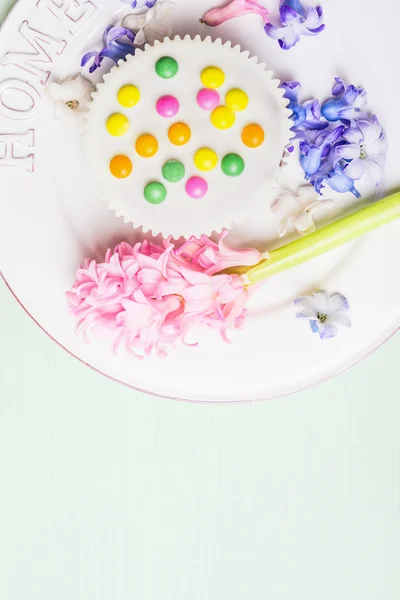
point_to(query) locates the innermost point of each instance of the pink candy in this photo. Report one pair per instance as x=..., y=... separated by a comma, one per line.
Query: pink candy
x=208, y=99
x=196, y=187
x=167, y=106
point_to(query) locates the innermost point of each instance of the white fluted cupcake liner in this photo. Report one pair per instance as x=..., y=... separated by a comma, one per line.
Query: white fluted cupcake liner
x=229, y=199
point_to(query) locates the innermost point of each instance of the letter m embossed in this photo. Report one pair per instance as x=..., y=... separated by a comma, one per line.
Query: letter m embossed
x=45, y=50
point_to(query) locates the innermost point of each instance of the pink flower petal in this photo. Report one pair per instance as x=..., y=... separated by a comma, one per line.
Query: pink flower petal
x=194, y=277
x=236, y=8
x=149, y=276
x=147, y=297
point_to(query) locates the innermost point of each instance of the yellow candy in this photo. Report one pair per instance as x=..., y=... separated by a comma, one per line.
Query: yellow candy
x=222, y=117
x=117, y=124
x=212, y=77
x=205, y=159
x=237, y=99
x=128, y=96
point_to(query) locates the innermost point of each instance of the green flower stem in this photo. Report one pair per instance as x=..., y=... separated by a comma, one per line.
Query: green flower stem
x=326, y=239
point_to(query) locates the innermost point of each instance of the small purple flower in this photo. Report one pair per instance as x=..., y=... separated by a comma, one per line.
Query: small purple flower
x=348, y=106
x=293, y=93
x=313, y=154
x=113, y=47
x=317, y=161
x=306, y=115
x=338, y=180
x=365, y=150
x=324, y=312
x=140, y=3
x=296, y=21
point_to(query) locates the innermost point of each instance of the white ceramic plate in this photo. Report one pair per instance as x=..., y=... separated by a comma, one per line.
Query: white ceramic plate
x=51, y=219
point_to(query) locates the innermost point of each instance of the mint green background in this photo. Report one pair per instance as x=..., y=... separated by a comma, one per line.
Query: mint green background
x=110, y=494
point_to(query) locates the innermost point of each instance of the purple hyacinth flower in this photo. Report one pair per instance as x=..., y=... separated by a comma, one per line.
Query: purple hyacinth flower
x=313, y=120
x=312, y=154
x=348, y=106
x=296, y=21
x=293, y=93
x=140, y=3
x=113, y=47
x=306, y=116
x=365, y=151
x=324, y=312
x=337, y=181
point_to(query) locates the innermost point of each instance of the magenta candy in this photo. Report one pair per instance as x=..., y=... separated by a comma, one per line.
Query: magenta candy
x=167, y=106
x=196, y=187
x=208, y=99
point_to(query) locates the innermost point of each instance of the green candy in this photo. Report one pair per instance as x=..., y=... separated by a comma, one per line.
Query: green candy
x=155, y=192
x=173, y=171
x=232, y=165
x=166, y=67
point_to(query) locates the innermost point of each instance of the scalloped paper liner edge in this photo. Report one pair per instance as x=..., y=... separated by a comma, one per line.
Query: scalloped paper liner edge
x=239, y=217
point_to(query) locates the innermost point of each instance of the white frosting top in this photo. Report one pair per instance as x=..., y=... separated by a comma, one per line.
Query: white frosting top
x=228, y=199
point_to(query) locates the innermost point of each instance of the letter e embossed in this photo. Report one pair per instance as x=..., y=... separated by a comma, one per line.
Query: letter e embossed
x=74, y=12
x=46, y=49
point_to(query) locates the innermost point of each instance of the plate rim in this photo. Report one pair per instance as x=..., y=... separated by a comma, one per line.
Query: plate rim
x=204, y=402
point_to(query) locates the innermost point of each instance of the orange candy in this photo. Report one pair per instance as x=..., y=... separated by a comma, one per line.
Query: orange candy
x=253, y=135
x=121, y=166
x=146, y=145
x=179, y=134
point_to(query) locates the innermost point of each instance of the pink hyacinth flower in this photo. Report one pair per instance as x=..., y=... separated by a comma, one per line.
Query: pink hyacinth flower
x=149, y=297
x=216, y=257
x=236, y=8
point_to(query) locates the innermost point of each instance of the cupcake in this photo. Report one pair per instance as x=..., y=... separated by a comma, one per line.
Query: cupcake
x=186, y=137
